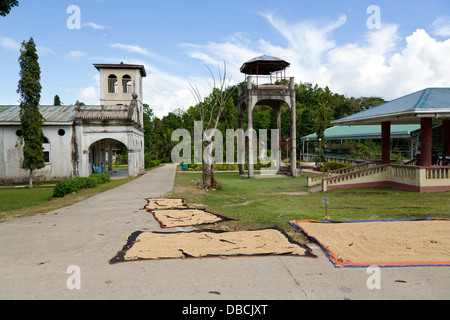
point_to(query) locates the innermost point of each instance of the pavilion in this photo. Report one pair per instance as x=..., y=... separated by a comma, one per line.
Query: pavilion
x=426, y=108
x=340, y=134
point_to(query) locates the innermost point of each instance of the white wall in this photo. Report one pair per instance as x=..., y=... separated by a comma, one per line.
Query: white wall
x=11, y=155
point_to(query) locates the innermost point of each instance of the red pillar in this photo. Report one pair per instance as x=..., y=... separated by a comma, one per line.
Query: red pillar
x=426, y=135
x=446, y=137
x=386, y=142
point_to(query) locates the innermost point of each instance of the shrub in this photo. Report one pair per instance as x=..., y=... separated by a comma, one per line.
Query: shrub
x=74, y=185
x=101, y=177
x=79, y=183
x=64, y=187
x=225, y=167
x=122, y=159
x=153, y=163
x=194, y=166
x=91, y=182
x=330, y=166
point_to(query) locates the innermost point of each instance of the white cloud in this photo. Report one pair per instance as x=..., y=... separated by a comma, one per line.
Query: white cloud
x=89, y=95
x=131, y=48
x=94, y=26
x=373, y=69
x=381, y=63
x=15, y=46
x=234, y=52
x=441, y=27
x=44, y=50
x=76, y=54
x=308, y=39
x=10, y=44
x=142, y=51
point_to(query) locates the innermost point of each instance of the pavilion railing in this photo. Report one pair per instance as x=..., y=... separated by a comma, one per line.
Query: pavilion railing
x=269, y=82
x=348, y=178
x=437, y=173
x=423, y=179
x=317, y=179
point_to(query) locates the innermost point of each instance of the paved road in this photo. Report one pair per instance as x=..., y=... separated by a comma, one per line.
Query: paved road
x=35, y=253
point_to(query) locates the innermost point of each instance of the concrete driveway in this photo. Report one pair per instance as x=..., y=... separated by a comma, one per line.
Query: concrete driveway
x=36, y=252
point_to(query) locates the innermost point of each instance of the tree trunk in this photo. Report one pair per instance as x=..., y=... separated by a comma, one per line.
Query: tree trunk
x=30, y=184
x=208, y=174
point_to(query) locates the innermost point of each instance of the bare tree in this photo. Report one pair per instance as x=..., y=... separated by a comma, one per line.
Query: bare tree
x=210, y=110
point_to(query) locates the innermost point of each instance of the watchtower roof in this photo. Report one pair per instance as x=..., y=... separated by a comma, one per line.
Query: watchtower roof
x=264, y=65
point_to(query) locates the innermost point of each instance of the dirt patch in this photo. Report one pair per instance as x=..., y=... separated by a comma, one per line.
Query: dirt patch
x=299, y=193
x=246, y=203
x=361, y=193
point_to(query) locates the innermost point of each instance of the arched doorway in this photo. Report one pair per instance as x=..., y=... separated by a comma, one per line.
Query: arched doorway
x=109, y=156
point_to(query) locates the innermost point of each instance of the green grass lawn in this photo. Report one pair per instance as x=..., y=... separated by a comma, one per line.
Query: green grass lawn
x=259, y=203
x=16, y=199
x=17, y=203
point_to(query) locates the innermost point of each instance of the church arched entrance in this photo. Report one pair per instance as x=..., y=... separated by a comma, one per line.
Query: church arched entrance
x=109, y=156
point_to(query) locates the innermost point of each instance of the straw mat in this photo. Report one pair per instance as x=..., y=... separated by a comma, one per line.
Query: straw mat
x=153, y=204
x=387, y=243
x=207, y=244
x=172, y=218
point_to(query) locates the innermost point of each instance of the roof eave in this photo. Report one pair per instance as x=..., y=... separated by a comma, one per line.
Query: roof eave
x=398, y=116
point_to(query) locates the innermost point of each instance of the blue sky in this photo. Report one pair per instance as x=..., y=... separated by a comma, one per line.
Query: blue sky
x=326, y=42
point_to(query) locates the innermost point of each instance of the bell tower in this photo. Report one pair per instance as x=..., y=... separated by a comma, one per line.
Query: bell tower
x=120, y=84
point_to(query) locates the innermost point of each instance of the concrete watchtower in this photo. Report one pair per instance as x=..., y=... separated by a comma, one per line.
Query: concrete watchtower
x=272, y=89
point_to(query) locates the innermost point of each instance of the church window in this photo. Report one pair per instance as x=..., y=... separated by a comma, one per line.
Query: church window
x=47, y=156
x=47, y=150
x=61, y=132
x=126, y=84
x=112, y=84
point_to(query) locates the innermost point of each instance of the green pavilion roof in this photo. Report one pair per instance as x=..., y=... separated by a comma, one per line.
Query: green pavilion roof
x=428, y=103
x=364, y=132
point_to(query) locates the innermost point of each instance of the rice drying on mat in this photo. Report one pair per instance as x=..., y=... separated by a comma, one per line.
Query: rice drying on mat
x=172, y=218
x=154, y=204
x=209, y=244
x=385, y=243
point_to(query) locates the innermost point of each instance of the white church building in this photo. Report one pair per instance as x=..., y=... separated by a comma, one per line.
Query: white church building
x=79, y=136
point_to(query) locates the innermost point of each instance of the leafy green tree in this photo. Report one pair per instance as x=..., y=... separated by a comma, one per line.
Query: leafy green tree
x=370, y=102
x=322, y=124
x=6, y=5
x=316, y=106
x=342, y=110
x=31, y=120
x=306, y=122
x=57, y=101
x=229, y=114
